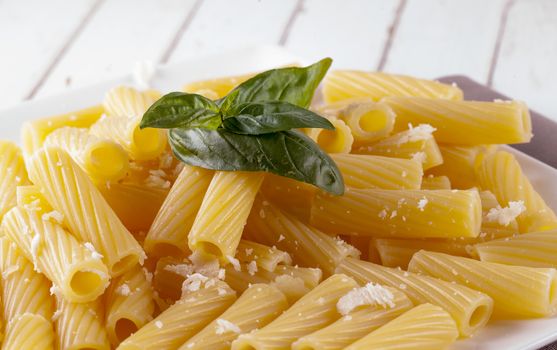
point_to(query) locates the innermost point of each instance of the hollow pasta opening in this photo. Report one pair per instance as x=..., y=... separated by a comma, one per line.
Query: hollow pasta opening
x=331, y=141
x=108, y=161
x=148, y=140
x=479, y=316
x=374, y=120
x=209, y=248
x=124, y=264
x=124, y=328
x=85, y=282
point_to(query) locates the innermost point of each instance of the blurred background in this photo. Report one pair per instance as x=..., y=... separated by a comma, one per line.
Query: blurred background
x=511, y=45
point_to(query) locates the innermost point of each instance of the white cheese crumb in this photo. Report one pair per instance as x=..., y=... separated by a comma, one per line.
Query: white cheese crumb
x=158, y=324
x=321, y=301
x=221, y=291
x=422, y=203
x=143, y=72
x=157, y=179
x=54, y=290
x=393, y=214
x=234, y=263
x=281, y=238
x=418, y=133
x=148, y=275
x=382, y=214
x=224, y=326
x=124, y=290
x=193, y=282
x=249, y=251
x=419, y=156
x=504, y=216
x=252, y=268
x=33, y=206
x=221, y=274
x=165, y=161
x=183, y=270
x=90, y=247
x=56, y=215
x=56, y=315
x=9, y=271
x=370, y=294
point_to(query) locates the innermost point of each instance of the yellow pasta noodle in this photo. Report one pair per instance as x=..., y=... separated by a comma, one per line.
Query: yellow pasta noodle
x=127, y=101
x=469, y=308
x=129, y=304
x=31, y=198
x=220, y=86
x=257, y=306
x=29, y=332
x=103, y=160
x=366, y=171
x=399, y=213
x=218, y=226
x=264, y=256
x=441, y=182
x=12, y=174
x=80, y=325
x=75, y=269
x=141, y=144
x=313, y=311
x=516, y=290
x=86, y=213
x=345, y=84
x=417, y=143
x=34, y=132
x=466, y=122
x=289, y=195
x=501, y=174
x=182, y=320
x=424, y=327
x=355, y=325
x=170, y=229
x=339, y=140
x=308, y=246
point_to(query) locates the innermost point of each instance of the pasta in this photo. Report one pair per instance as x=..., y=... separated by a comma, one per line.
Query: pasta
x=289, y=195
x=30, y=197
x=308, y=247
x=12, y=174
x=346, y=84
x=516, y=290
x=469, y=308
x=174, y=220
x=220, y=86
x=129, y=304
x=85, y=211
x=465, y=122
x=127, y=101
x=501, y=174
x=77, y=271
x=354, y=325
x=103, y=160
x=29, y=332
x=424, y=327
x=218, y=226
x=441, y=182
x=140, y=144
x=491, y=228
x=182, y=320
x=417, y=143
x=313, y=311
x=265, y=257
x=339, y=140
x=364, y=171
x=536, y=249
x=33, y=133
x=257, y=306
x=402, y=213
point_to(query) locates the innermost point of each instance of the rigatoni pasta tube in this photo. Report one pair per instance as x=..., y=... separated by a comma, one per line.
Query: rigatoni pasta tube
x=255, y=308
x=86, y=213
x=34, y=132
x=80, y=325
x=501, y=174
x=77, y=271
x=102, y=159
x=289, y=195
x=399, y=213
x=129, y=304
x=127, y=101
x=23, y=289
x=516, y=290
x=366, y=171
x=431, y=182
x=264, y=256
x=469, y=308
x=354, y=325
x=346, y=84
x=29, y=332
x=417, y=143
x=313, y=311
x=308, y=246
x=339, y=140
x=31, y=198
x=141, y=144
x=169, y=232
x=12, y=174
x=182, y=320
x=221, y=86
x=368, y=121
x=466, y=122
x=537, y=249
x=219, y=223
x=424, y=327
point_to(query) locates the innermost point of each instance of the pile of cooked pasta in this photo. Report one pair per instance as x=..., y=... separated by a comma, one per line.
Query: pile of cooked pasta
x=108, y=241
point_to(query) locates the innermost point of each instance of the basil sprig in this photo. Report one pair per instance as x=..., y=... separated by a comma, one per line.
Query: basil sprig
x=250, y=129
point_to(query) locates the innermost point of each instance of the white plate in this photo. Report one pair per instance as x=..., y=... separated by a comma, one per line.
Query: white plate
x=501, y=335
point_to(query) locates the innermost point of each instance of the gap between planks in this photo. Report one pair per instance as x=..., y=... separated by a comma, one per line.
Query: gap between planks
x=500, y=35
x=391, y=33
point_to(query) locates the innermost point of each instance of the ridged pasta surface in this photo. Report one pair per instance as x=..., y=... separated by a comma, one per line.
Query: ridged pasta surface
x=12, y=174
x=29, y=332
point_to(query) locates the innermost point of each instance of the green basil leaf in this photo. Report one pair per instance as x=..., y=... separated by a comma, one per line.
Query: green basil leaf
x=180, y=109
x=267, y=117
x=285, y=153
x=293, y=84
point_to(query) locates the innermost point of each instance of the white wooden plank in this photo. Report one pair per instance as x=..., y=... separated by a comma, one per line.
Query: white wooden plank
x=352, y=32
x=526, y=65
x=121, y=33
x=441, y=37
x=222, y=24
x=32, y=32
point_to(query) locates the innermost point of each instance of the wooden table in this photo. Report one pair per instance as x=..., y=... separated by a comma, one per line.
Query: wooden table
x=511, y=45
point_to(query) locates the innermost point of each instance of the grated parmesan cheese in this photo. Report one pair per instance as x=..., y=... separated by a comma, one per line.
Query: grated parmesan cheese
x=224, y=326
x=370, y=294
x=193, y=282
x=56, y=215
x=158, y=324
x=419, y=157
x=422, y=203
x=124, y=290
x=183, y=270
x=281, y=238
x=504, y=216
x=418, y=133
x=235, y=263
x=252, y=268
x=90, y=247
